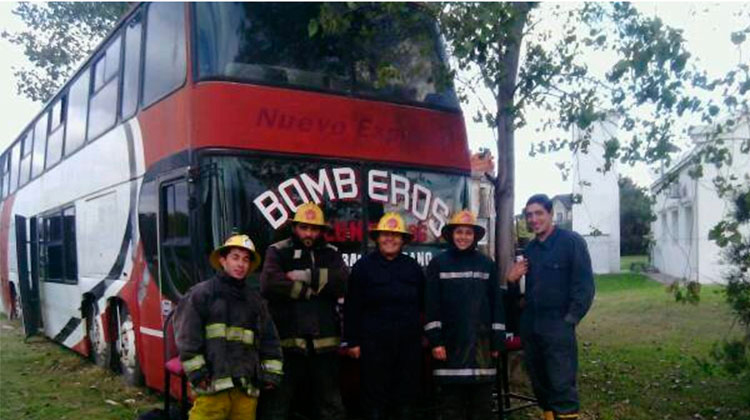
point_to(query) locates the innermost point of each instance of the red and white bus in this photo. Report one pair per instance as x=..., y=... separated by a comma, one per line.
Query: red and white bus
x=191, y=121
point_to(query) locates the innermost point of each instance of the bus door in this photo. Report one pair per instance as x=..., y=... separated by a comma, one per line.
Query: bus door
x=28, y=273
x=177, y=270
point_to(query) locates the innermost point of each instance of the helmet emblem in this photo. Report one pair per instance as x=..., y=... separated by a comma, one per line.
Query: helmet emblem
x=466, y=218
x=310, y=214
x=392, y=223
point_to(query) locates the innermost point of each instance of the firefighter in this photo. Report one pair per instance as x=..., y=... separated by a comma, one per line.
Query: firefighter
x=382, y=324
x=465, y=321
x=559, y=292
x=303, y=278
x=227, y=341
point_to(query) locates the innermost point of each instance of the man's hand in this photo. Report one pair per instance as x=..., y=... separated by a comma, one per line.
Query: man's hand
x=518, y=270
x=353, y=352
x=299, y=275
x=439, y=353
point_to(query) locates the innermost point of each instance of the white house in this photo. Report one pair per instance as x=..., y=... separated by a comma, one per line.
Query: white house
x=687, y=208
x=596, y=216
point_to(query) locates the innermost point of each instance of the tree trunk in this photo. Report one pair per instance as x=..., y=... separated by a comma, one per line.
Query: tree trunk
x=504, y=191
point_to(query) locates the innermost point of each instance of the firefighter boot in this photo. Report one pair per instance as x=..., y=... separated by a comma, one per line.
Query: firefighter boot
x=566, y=416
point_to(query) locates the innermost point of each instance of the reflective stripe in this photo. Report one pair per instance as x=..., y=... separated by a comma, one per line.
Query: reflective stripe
x=498, y=326
x=222, y=384
x=235, y=333
x=567, y=416
x=433, y=325
x=318, y=343
x=465, y=274
x=216, y=331
x=273, y=366
x=296, y=289
x=194, y=364
x=322, y=279
x=465, y=372
x=248, y=336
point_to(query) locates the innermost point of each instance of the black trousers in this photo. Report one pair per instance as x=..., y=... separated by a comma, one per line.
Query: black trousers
x=466, y=401
x=310, y=383
x=552, y=362
x=390, y=374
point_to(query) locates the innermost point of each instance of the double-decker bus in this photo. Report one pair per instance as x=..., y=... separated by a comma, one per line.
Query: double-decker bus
x=191, y=121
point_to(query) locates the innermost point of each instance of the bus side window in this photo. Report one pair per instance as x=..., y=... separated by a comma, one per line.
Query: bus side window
x=56, y=131
x=15, y=157
x=40, y=144
x=25, y=170
x=3, y=174
x=58, y=260
x=132, y=67
x=103, y=105
x=176, y=267
x=165, y=59
x=78, y=105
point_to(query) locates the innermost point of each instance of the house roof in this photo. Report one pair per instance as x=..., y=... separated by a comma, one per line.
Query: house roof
x=565, y=199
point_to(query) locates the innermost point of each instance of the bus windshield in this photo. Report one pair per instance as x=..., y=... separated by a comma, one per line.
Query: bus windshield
x=256, y=195
x=383, y=58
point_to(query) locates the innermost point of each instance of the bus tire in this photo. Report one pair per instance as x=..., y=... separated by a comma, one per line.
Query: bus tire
x=126, y=356
x=100, y=351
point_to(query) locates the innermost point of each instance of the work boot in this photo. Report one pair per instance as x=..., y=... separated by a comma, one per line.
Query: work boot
x=566, y=416
x=548, y=415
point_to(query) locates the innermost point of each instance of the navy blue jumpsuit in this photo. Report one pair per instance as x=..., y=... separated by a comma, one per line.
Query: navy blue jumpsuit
x=382, y=317
x=559, y=292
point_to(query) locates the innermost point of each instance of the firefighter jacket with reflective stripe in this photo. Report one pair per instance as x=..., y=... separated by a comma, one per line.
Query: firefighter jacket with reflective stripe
x=225, y=335
x=464, y=313
x=303, y=285
x=384, y=298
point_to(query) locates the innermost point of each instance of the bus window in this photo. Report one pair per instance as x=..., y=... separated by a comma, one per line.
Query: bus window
x=132, y=67
x=103, y=105
x=176, y=261
x=58, y=255
x=78, y=103
x=3, y=190
x=15, y=158
x=166, y=61
x=25, y=166
x=40, y=143
x=270, y=43
x=6, y=174
x=56, y=131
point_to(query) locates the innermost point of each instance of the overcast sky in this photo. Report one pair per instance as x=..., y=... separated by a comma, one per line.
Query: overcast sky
x=707, y=28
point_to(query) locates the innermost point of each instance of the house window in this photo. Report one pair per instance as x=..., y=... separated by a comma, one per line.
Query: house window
x=687, y=224
x=674, y=230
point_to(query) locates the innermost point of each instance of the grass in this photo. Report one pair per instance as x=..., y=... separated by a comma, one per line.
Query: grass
x=627, y=262
x=42, y=380
x=638, y=351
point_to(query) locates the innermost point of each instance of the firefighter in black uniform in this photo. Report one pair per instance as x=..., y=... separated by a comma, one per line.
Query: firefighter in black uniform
x=382, y=324
x=228, y=345
x=303, y=278
x=559, y=292
x=465, y=321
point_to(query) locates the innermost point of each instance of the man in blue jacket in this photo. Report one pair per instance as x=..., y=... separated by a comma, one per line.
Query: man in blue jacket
x=559, y=292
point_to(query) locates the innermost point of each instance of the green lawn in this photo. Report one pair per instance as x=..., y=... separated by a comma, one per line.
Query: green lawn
x=42, y=380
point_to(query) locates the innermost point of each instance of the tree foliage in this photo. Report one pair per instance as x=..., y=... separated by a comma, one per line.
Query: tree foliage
x=59, y=35
x=636, y=216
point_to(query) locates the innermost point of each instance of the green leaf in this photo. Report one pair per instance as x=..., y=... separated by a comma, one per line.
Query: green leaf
x=312, y=28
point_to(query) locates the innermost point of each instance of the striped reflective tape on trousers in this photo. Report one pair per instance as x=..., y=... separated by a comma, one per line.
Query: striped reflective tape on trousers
x=464, y=372
x=273, y=366
x=496, y=326
x=567, y=416
x=318, y=343
x=220, y=330
x=194, y=363
x=465, y=274
x=432, y=325
x=296, y=289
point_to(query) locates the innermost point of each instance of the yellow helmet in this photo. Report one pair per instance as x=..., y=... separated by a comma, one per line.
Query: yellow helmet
x=310, y=214
x=236, y=241
x=463, y=218
x=391, y=222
